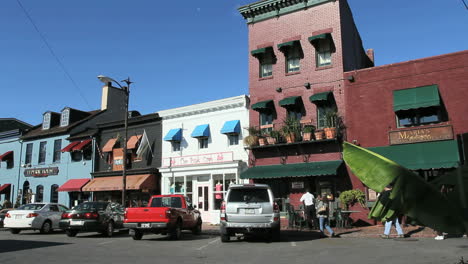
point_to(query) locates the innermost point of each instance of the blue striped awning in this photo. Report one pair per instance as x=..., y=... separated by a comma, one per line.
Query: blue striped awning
x=174, y=135
x=231, y=127
x=201, y=131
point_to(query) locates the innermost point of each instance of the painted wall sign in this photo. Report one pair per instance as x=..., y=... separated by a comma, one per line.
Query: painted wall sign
x=297, y=185
x=421, y=135
x=41, y=172
x=117, y=155
x=198, y=159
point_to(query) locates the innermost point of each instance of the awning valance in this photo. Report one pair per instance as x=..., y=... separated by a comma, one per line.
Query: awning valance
x=114, y=183
x=414, y=98
x=293, y=170
x=263, y=105
x=201, y=131
x=81, y=145
x=260, y=51
x=4, y=188
x=321, y=97
x=174, y=134
x=70, y=146
x=109, y=145
x=133, y=141
x=287, y=44
x=420, y=156
x=73, y=185
x=6, y=155
x=231, y=127
x=288, y=101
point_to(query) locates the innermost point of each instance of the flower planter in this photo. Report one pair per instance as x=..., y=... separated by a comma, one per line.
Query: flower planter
x=330, y=132
x=307, y=136
x=271, y=140
x=262, y=141
x=290, y=138
x=318, y=135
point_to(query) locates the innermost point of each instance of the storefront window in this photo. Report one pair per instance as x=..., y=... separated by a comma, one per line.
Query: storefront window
x=188, y=183
x=220, y=186
x=179, y=186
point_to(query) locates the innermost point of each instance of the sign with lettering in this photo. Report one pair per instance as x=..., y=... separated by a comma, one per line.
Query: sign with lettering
x=198, y=159
x=41, y=172
x=117, y=155
x=297, y=185
x=421, y=135
x=371, y=195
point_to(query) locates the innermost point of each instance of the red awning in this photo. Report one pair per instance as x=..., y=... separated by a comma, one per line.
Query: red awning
x=4, y=187
x=133, y=141
x=114, y=183
x=73, y=185
x=81, y=146
x=70, y=146
x=6, y=155
x=109, y=145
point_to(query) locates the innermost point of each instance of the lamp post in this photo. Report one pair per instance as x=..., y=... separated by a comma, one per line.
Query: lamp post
x=126, y=90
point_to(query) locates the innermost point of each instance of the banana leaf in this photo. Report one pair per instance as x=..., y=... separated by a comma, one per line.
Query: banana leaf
x=410, y=195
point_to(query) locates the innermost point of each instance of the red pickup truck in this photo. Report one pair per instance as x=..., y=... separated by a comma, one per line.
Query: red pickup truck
x=165, y=214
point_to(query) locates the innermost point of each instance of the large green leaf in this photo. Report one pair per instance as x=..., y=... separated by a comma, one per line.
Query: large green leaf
x=410, y=196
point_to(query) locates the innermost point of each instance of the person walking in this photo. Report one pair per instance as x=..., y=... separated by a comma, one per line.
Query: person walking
x=394, y=220
x=322, y=215
x=308, y=200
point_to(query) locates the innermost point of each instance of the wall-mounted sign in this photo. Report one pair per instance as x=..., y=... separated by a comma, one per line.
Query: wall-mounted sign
x=371, y=195
x=198, y=159
x=41, y=172
x=297, y=185
x=117, y=155
x=420, y=135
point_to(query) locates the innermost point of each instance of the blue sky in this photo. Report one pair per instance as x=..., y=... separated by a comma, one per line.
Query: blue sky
x=177, y=52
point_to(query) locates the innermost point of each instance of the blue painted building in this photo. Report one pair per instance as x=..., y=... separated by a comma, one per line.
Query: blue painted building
x=10, y=155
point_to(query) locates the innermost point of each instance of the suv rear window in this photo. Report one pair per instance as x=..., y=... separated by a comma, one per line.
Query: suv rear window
x=250, y=195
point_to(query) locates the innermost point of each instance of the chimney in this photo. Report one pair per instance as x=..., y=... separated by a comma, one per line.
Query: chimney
x=112, y=98
x=370, y=55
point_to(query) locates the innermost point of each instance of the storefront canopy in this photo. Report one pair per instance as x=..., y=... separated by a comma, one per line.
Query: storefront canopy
x=420, y=156
x=6, y=155
x=109, y=145
x=133, y=141
x=81, y=145
x=320, y=97
x=201, y=131
x=70, y=146
x=414, y=98
x=4, y=188
x=293, y=170
x=73, y=185
x=231, y=127
x=290, y=101
x=174, y=134
x=114, y=183
x=263, y=105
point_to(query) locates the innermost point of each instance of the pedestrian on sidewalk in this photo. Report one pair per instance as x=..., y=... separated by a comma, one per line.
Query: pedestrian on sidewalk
x=394, y=220
x=309, y=208
x=322, y=214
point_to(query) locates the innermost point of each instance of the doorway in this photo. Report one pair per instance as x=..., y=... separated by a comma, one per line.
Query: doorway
x=202, y=202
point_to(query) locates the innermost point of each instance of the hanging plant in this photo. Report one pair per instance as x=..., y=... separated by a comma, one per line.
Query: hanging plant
x=351, y=197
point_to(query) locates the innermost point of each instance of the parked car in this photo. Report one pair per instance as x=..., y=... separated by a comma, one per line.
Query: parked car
x=102, y=217
x=164, y=214
x=2, y=215
x=44, y=217
x=249, y=209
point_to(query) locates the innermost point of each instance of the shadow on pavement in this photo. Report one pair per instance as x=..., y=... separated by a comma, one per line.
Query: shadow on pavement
x=415, y=231
x=286, y=236
x=120, y=233
x=185, y=237
x=16, y=245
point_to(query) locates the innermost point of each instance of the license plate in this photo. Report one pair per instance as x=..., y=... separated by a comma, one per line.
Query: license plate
x=146, y=225
x=18, y=216
x=250, y=211
x=77, y=223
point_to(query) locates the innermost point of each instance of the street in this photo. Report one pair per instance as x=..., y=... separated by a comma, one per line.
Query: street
x=294, y=247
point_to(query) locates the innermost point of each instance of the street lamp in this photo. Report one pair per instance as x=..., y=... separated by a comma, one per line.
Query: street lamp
x=126, y=89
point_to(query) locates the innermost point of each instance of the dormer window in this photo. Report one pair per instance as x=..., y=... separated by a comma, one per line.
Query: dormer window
x=46, y=121
x=65, y=117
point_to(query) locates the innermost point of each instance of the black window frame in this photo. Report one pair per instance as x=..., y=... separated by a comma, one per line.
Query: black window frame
x=54, y=195
x=175, y=146
x=28, y=154
x=39, y=193
x=41, y=159
x=57, y=151
x=203, y=142
x=266, y=58
x=323, y=46
x=415, y=115
x=233, y=139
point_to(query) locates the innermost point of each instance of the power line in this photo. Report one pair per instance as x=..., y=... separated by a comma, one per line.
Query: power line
x=466, y=6
x=53, y=54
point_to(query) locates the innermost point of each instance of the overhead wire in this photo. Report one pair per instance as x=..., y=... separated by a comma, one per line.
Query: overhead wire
x=466, y=6
x=62, y=66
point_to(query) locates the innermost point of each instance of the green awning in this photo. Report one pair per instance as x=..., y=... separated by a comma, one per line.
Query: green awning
x=292, y=170
x=287, y=44
x=430, y=155
x=320, y=97
x=414, y=98
x=263, y=105
x=320, y=36
x=293, y=100
x=259, y=51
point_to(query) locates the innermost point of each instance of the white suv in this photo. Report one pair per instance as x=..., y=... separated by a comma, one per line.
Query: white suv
x=249, y=208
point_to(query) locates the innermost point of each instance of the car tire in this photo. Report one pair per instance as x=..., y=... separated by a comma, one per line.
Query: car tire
x=176, y=232
x=198, y=228
x=71, y=233
x=275, y=234
x=137, y=235
x=46, y=227
x=225, y=237
x=109, y=229
x=15, y=231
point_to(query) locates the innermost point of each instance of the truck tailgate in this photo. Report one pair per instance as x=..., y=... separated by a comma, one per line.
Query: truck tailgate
x=146, y=214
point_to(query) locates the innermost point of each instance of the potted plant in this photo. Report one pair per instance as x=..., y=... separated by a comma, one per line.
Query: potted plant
x=331, y=118
x=290, y=129
x=252, y=138
x=350, y=197
x=262, y=141
x=318, y=134
x=272, y=137
x=307, y=132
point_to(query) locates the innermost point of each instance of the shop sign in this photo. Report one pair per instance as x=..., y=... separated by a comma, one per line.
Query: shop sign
x=198, y=159
x=117, y=154
x=297, y=185
x=371, y=195
x=421, y=135
x=41, y=172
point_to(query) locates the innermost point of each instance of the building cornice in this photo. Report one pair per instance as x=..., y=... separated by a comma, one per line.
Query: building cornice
x=213, y=106
x=267, y=9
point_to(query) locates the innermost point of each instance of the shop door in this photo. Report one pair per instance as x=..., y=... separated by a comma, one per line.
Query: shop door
x=202, y=202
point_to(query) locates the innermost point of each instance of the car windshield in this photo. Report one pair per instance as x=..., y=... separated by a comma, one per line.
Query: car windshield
x=31, y=207
x=250, y=195
x=173, y=202
x=94, y=206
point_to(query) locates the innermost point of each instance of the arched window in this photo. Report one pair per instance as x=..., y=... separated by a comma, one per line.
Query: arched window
x=39, y=193
x=54, y=193
x=26, y=196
